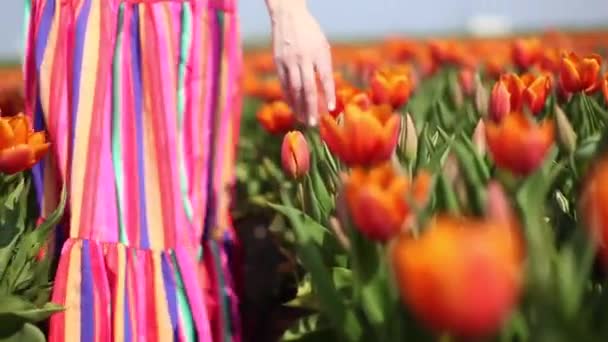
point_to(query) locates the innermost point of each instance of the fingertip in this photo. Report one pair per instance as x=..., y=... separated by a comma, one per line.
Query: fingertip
x=331, y=104
x=313, y=121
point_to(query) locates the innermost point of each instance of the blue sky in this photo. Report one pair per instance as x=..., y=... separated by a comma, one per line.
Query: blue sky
x=358, y=18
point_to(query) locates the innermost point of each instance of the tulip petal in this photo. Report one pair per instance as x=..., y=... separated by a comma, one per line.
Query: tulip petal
x=589, y=70
x=569, y=76
x=7, y=136
x=333, y=136
x=16, y=159
x=21, y=128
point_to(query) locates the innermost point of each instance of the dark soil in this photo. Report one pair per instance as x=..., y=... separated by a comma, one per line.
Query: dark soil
x=269, y=282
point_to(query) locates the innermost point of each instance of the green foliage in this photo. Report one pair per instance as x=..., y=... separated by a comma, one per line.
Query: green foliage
x=24, y=272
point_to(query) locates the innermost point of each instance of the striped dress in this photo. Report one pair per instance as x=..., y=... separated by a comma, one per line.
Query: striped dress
x=141, y=101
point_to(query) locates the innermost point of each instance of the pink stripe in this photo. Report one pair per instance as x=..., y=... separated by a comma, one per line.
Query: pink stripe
x=129, y=136
x=105, y=217
x=167, y=126
x=185, y=260
x=102, y=294
x=195, y=122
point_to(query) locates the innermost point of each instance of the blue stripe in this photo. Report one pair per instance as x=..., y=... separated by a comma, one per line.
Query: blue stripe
x=87, y=295
x=137, y=96
x=170, y=291
x=43, y=31
x=44, y=28
x=128, y=330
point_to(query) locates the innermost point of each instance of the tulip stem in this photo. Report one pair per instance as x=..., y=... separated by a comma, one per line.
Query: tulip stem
x=572, y=161
x=301, y=197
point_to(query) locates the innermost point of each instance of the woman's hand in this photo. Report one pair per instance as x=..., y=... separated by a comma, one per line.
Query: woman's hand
x=300, y=48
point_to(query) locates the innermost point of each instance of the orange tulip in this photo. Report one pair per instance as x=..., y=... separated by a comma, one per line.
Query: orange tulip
x=579, y=74
x=344, y=94
x=512, y=93
x=20, y=147
x=506, y=94
x=276, y=117
x=518, y=143
x=535, y=93
x=366, y=136
x=526, y=52
x=594, y=205
x=295, y=154
x=463, y=276
x=378, y=199
x=391, y=85
x=605, y=87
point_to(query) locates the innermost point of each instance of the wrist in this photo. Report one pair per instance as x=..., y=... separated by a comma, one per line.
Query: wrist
x=277, y=6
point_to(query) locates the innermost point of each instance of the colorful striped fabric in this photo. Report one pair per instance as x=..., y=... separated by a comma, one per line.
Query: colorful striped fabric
x=141, y=101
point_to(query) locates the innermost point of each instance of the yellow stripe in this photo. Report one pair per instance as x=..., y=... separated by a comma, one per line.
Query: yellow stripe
x=119, y=295
x=152, y=185
x=165, y=331
x=72, y=296
x=88, y=84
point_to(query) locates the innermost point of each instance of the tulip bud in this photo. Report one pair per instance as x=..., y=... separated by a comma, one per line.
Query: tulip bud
x=498, y=207
x=456, y=92
x=408, y=138
x=479, y=138
x=565, y=133
x=481, y=97
x=467, y=81
x=295, y=154
x=500, y=104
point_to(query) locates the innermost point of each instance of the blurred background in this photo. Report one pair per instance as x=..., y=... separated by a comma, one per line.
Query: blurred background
x=360, y=19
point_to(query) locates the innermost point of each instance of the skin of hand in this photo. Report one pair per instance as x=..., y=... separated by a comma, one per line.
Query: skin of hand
x=300, y=48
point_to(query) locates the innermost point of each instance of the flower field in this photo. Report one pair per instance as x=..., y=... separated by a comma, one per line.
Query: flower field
x=458, y=191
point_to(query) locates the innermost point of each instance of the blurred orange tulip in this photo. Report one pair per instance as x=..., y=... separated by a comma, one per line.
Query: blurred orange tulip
x=295, y=154
x=519, y=144
x=450, y=52
x=550, y=60
x=269, y=89
x=605, y=87
x=366, y=136
x=495, y=65
x=594, y=205
x=526, y=52
x=391, y=85
x=400, y=50
x=463, y=276
x=580, y=74
x=20, y=147
x=378, y=199
x=276, y=117
x=365, y=62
